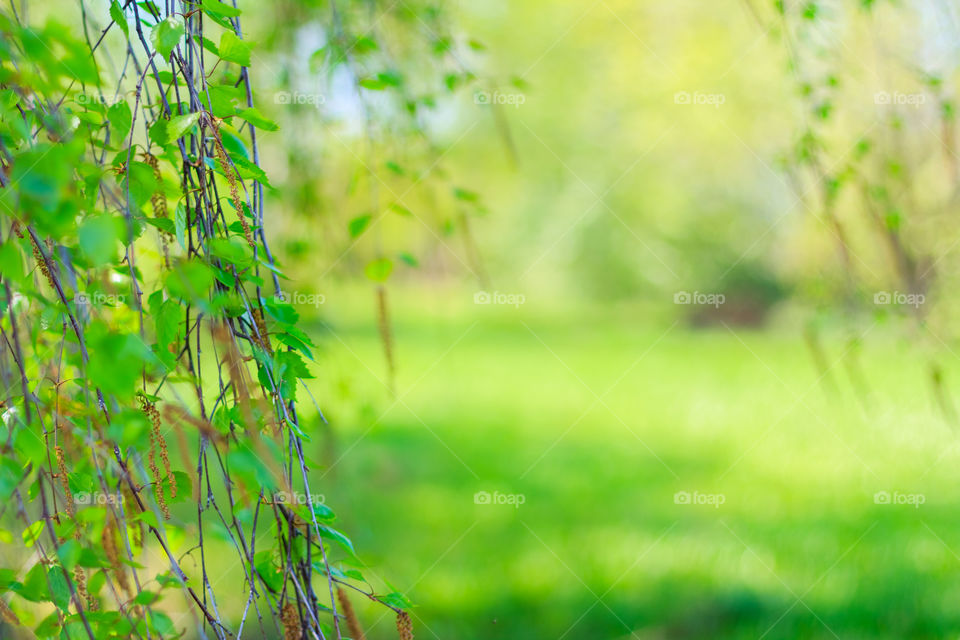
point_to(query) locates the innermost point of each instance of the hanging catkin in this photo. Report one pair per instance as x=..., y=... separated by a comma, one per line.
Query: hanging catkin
x=224, y=163
x=353, y=624
x=404, y=626
x=37, y=256
x=64, y=480
x=81, y=579
x=157, y=441
x=386, y=336
x=291, y=622
x=110, y=550
x=158, y=201
x=262, y=336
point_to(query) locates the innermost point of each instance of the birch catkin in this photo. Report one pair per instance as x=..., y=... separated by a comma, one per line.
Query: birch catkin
x=291, y=622
x=386, y=336
x=158, y=441
x=158, y=202
x=64, y=480
x=353, y=624
x=110, y=550
x=404, y=626
x=224, y=162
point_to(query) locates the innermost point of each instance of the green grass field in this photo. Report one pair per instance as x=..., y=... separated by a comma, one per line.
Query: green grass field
x=597, y=424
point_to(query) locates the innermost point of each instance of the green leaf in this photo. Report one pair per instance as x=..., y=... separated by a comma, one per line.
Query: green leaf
x=233, y=49
x=98, y=239
x=167, y=322
x=217, y=8
x=148, y=517
x=184, y=486
x=225, y=100
x=397, y=600
x=161, y=624
x=254, y=117
x=323, y=513
x=32, y=533
x=179, y=125
x=116, y=13
x=34, y=587
x=373, y=84
x=49, y=627
x=8, y=577
x=59, y=588
x=332, y=534
x=269, y=571
x=245, y=168
x=164, y=224
x=364, y=44
x=231, y=250
x=281, y=311
x=142, y=182
x=190, y=281
x=379, y=270
x=69, y=553
x=390, y=78
x=359, y=224
x=465, y=195
x=11, y=264
x=210, y=46
x=166, y=35
x=41, y=175
x=396, y=207
x=116, y=359
x=158, y=132
x=180, y=222
x=232, y=143
x=120, y=118
x=146, y=597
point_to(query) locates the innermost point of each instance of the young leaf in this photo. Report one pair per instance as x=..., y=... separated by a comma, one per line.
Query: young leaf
x=233, y=49
x=166, y=35
x=379, y=270
x=116, y=13
x=359, y=224
x=254, y=117
x=179, y=125
x=32, y=533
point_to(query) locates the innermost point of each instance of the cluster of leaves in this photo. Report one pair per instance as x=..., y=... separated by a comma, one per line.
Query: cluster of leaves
x=363, y=158
x=875, y=165
x=139, y=306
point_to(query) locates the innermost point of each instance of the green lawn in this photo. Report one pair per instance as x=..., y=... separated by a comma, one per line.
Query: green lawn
x=597, y=423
